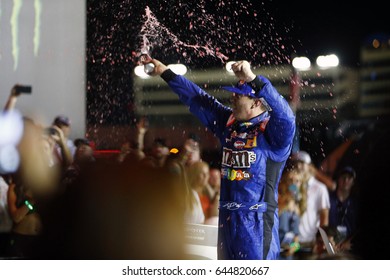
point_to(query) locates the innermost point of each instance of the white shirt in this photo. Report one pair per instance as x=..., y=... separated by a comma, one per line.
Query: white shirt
x=196, y=216
x=317, y=199
x=5, y=219
x=71, y=147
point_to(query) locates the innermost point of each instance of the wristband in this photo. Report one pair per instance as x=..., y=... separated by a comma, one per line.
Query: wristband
x=29, y=205
x=168, y=75
x=295, y=245
x=256, y=84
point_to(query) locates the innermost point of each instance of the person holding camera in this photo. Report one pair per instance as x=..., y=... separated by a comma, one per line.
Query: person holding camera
x=16, y=90
x=256, y=136
x=64, y=147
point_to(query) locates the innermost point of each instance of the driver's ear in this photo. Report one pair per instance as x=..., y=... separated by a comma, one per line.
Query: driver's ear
x=256, y=103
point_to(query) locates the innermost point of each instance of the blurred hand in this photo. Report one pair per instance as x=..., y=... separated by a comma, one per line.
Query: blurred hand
x=143, y=125
x=344, y=246
x=159, y=67
x=242, y=70
x=59, y=135
x=14, y=92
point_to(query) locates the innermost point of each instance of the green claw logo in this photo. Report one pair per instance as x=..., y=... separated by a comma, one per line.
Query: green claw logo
x=14, y=21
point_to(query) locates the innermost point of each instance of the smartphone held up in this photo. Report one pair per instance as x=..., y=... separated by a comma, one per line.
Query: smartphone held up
x=25, y=89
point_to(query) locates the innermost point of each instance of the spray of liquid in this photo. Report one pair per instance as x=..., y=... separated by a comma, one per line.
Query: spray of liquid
x=153, y=33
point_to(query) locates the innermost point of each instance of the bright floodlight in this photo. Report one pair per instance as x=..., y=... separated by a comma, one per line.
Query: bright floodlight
x=301, y=63
x=228, y=66
x=326, y=61
x=179, y=69
x=140, y=72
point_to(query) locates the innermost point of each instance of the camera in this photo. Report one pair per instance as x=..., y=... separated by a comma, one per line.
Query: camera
x=50, y=131
x=23, y=89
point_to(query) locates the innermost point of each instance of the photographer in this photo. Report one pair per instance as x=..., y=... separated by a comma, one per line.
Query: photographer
x=65, y=146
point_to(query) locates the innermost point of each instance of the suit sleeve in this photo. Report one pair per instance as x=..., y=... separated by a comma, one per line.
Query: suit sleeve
x=204, y=106
x=281, y=126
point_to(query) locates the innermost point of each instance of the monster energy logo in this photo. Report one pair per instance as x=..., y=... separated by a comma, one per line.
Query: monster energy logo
x=14, y=22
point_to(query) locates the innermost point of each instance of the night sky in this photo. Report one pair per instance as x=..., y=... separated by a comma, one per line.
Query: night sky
x=321, y=27
x=264, y=32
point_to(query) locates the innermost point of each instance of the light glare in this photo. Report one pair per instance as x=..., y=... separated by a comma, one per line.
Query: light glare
x=326, y=61
x=301, y=63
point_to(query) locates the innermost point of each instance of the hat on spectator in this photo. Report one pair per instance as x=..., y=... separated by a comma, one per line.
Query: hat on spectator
x=348, y=170
x=242, y=88
x=81, y=141
x=302, y=156
x=61, y=120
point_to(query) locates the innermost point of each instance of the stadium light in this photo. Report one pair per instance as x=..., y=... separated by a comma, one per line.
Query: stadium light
x=327, y=61
x=301, y=63
x=139, y=71
x=179, y=69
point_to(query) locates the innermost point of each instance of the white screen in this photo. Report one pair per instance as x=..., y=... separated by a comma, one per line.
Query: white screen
x=42, y=44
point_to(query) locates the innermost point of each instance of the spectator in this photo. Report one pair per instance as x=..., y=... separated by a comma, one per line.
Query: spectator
x=193, y=211
x=213, y=190
x=60, y=154
x=65, y=152
x=158, y=153
x=134, y=148
x=290, y=200
x=25, y=239
x=317, y=210
x=84, y=156
x=198, y=177
x=5, y=219
x=190, y=152
x=12, y=99
x=343, y=212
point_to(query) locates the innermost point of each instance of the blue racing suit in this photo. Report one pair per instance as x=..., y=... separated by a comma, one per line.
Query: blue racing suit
x=254, y=154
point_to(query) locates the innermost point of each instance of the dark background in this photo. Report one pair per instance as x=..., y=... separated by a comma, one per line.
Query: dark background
x=339, y=27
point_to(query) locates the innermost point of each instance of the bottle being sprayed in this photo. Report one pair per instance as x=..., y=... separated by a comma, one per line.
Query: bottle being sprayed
x=148, y=67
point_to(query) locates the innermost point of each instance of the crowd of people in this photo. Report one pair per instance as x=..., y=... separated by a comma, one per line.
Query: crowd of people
x=306, y=204
x=64, y=201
